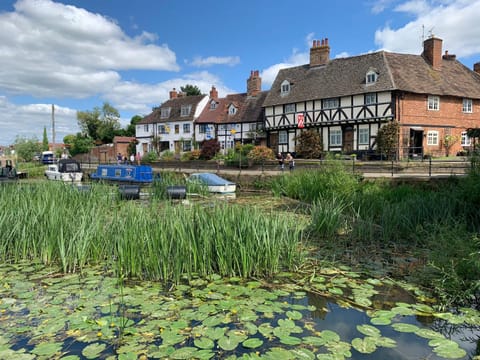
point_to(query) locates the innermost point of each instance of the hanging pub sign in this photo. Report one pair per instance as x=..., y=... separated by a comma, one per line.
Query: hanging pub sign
x=300, y=121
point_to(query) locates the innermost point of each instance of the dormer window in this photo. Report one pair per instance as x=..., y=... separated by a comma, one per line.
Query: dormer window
x=232, y=110
x=185, y=110
x=285, y=88
x=165, y=113
x=213, y=105
x=371, y=77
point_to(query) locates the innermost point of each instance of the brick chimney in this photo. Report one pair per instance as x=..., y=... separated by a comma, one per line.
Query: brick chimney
x=319, y=52
x=432, y=52
x=213, y=93
x=476, y=67
x=448, y=56
x=173, y=94
x=254, y=83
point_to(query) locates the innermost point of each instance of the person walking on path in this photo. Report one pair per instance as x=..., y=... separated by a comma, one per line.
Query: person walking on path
x=291, y=161
x=281, y=161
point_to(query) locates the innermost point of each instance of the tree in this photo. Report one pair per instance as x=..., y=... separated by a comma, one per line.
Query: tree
x=209, y=149
x=190, y=90
x=27, y=148
x=448, y=142
x=309, y=145
x=130, y=129
x=80, y=144
x=387, y=139
x=99, y=124
x=45, y=139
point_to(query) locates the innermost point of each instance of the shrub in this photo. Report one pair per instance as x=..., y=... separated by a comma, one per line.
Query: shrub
x=309, y=145
x=261, y=153
x=209, y=148
x=149, y=157
x=167, y=155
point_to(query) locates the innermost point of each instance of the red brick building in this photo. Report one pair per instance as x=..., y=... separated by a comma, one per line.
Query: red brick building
x=433, y=97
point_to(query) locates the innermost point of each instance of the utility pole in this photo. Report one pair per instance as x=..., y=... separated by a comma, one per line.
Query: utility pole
x=53, y=126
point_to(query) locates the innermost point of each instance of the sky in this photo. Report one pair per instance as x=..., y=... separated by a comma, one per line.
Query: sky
x=78, y=54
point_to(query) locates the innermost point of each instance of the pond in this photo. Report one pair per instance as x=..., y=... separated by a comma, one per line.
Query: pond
x=332, y=314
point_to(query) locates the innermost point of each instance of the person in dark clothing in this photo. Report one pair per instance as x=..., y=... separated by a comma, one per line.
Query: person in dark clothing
x=281, y=161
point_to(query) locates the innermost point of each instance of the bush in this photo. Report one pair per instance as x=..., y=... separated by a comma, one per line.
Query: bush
x=149, y=157
x=309, y=145
x=209, y=148
x=260, y=154
x=167, y=155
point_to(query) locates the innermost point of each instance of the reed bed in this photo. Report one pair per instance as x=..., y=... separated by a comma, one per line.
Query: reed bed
x=58, y=224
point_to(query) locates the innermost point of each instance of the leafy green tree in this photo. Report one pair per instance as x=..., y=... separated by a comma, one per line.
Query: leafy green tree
x=99, y=124
x=45, y=139
x=130, y=129
x=79, y=144
x=309, y=145
x=387, y=139
x=27, y=148
x=190, y=90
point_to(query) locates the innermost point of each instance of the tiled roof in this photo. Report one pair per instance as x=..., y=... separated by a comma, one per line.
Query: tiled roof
x=249, y=109
x=175, y=106
x=346, y=76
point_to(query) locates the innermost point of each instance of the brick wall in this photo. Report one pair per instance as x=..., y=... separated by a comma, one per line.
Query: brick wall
x=448, y=120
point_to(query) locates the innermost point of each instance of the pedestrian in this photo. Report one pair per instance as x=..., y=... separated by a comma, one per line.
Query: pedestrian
x=281, y=161
x=291, y=161
x=119, y=158
x=132, y=159
x=138, y=157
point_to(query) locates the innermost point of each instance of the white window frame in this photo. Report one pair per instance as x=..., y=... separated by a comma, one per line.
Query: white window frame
x=202, y=128
x=186, y=146
x=285, y=88
x=186, y=128
x=466, y=141
x=335, y=137
x=176, y=129
x=213, y=105
x=371, y=77
x=467, y=106
x=363, y=136
x=164, y=113
x=283, y=137
x=232, y=110
x=161, y=129
x=289, y=108
x=331, y=103
x=433, y=103
x=432, y=138
x=370, y=98
x=185, y=110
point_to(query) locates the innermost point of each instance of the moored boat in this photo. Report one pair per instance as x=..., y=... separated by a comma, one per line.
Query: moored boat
x=132, y=174
x=68, y=170
x=8, y=172
x=214, y=183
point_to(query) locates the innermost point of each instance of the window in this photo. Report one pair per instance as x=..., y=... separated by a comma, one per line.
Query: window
x=177, y=129
x=371, y=77
x=465, y=139
x=330, y=103
x=335, y=137
x=370, y=98
x=232, y=110
x=165, y=113
x=187, y=146
x=202, y=128
x=185, y=110
x=467, y=106
x=282, y=137
x=432, y=138
x=186, y=128
x=363, y=136
x=213, y=105
x=433, y=103
x=162, y=129
x=145, y=127
x=289, y=108
x=285, y=88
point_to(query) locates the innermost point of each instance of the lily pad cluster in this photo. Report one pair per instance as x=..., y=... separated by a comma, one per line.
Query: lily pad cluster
x=46, y=315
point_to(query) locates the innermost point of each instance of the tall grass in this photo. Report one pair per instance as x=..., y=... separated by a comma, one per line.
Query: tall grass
x=58, y=224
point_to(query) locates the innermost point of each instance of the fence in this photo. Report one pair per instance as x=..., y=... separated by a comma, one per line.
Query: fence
x=420, y=168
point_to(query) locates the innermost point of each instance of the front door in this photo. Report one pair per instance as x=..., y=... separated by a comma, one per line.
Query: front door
x=348, y=140
x=416, y=142
x=273, y=141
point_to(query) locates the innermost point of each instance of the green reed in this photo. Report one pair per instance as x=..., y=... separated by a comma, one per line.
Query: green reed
x=58, y=224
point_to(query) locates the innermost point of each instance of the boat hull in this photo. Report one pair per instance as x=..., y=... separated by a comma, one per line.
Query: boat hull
x=129, y=174
x=214, y=183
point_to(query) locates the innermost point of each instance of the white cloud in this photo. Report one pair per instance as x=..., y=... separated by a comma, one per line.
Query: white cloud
x=29, y=121
x=51, y=49
x=215, y=60
x=379, y=6
x=454, y=21
x=296, y=58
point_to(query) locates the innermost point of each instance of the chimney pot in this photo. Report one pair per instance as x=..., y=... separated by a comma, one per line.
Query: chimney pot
x=432, y=52
x=320, y=54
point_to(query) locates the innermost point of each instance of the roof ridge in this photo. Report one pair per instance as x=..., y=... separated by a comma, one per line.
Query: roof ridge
x=387, y=65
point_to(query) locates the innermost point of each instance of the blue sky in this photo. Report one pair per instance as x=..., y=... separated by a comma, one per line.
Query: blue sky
x=78, y=54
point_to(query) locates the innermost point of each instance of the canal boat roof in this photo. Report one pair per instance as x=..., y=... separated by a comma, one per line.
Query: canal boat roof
x=124, y=173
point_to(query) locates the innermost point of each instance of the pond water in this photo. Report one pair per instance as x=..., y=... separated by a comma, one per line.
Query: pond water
x=336, y=314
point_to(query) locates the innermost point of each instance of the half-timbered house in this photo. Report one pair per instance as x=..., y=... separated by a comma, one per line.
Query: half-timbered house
x=434, y=99
x=235, y=118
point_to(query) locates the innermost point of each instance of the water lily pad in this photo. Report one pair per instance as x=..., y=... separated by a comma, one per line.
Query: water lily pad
x=47, y=349
x=204, y=343
x=366, y=345
x=294, y=315
x=186, y=352
x=369, y=330
x=252, y=343
x=406, y=328
x=93, y=351
x=290, y=340
x=228, y=343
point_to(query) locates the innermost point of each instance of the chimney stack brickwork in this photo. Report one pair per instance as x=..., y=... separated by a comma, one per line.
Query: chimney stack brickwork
x=254, y=83
x=319, y=52
x=173, y=94
x=476, y=67
x=213, y=93
x=432, y=52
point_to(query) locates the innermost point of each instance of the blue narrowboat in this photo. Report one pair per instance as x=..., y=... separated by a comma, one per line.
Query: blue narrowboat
x=133, y=174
